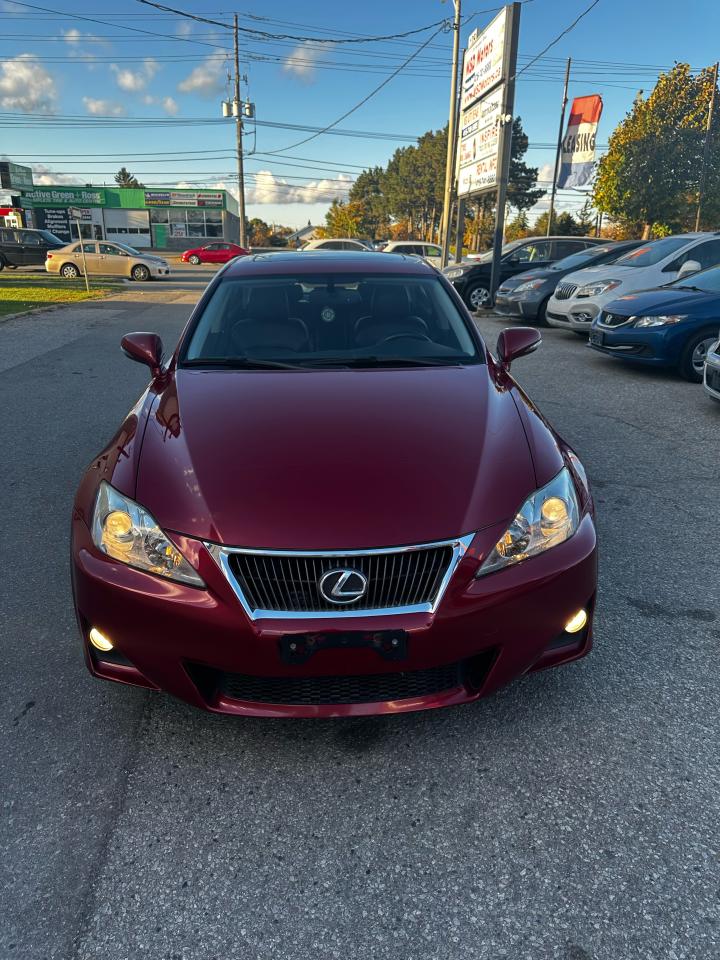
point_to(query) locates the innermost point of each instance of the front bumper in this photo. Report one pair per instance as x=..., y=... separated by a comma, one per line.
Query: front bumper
x=160, y=271
x=572, y=314
x=200, y=645
x=711, y=376
x=650, y=347
x=522, y=305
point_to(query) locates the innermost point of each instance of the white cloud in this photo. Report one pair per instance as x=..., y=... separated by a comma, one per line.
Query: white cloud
x=302, y=60
x=206, y=80
x=26, y=86
x=133, y=81
x=265, y=187
x=44, y=176
x=103, y=108
x=169, y=105
x=72, y=36
x=545, y=173
x=184, y=28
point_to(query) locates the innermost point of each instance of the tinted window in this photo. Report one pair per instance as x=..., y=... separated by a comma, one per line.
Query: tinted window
x=707, y=254
x=110, y=250
x=564, y=248
x=30, y=239
x=708, y=280
x=331, y=320
x=7, y=236
x=87, y=248
x=433, y=252
x=578, y=260
x=532, y=252
x=652, y=252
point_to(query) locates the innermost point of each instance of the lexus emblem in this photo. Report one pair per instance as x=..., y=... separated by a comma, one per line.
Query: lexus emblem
x=343, y=585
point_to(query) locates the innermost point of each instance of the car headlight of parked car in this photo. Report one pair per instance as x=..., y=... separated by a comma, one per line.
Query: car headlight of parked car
x=548, y=517
x=126, y=532
x=595, y=289
x=454, y=273
x=529, y=285
x=662, y=320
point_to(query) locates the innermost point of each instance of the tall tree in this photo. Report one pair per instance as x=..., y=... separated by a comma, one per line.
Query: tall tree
x=123, y=178
x=650, y=175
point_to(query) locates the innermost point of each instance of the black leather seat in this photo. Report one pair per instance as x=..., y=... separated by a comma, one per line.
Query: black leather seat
x=390, y=317
x=268, y=324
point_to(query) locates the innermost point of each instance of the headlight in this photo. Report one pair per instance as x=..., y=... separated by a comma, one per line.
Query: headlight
x=595, y=289
x=529, y=285
x=663, y=320
x=126, y=532
x=548, y=517
x=454, y=274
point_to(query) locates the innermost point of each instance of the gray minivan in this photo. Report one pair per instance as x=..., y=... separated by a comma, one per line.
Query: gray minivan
x=26, y=248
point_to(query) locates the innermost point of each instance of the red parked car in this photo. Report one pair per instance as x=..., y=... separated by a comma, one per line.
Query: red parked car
x=217, y=252
x=332, y=499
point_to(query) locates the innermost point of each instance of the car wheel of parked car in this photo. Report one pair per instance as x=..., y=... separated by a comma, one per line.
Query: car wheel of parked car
x=541, y=318
x=195, y=260
x=69, y=271
x=140, y=272
x=692, y=362
x=477, y=296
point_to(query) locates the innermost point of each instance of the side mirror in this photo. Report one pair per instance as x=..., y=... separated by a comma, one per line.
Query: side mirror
x=690, y=266
x=146, y=348
x=515, y=342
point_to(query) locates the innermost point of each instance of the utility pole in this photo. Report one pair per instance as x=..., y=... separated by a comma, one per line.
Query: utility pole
x=449, y=171
x=706, y=149
x=238, y=130
x=558, y=152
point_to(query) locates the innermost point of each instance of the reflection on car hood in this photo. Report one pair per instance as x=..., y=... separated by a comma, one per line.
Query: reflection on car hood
x=659, y=300
x=603, y=271
x=333, y=459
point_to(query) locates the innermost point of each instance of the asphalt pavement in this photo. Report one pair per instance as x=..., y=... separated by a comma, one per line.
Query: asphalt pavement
x=571, y=816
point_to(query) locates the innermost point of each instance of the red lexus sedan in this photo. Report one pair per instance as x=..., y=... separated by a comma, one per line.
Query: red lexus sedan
x=332, y=499
x=220, y=251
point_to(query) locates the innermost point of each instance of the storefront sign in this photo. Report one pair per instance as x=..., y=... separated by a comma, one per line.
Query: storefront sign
x=479, y=144
x=483, y=61
x=61, y=197
x=186, y=198
x=13, y=176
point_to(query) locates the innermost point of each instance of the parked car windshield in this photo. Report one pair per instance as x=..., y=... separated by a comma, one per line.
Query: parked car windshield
x=577, y=260
x=708, y=281
x=507, y=247
x=330, y=320
x=652, y=252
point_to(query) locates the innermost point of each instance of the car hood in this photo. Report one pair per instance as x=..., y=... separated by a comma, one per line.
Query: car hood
x=512, y=282
x=333, y=459
x=602, y=271
x=660, y=301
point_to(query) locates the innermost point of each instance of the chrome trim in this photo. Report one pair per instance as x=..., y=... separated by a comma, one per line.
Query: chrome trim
x=221, y=555
x=613, y=326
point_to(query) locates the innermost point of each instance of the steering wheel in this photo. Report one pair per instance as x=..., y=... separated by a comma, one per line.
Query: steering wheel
x=405, y=336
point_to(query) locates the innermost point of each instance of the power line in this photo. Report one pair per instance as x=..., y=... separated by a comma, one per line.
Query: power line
x=559, y=37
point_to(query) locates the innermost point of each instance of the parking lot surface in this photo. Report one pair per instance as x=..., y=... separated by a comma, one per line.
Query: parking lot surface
x=571, y=816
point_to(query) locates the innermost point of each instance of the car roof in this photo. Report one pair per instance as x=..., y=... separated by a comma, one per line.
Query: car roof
x=321, y=261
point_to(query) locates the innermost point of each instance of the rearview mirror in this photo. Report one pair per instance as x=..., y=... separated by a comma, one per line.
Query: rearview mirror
x=690, y=266
x=515, y=342
x=146, y=348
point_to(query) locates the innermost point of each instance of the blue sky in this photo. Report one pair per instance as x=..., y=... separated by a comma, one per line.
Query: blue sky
x=70, y=88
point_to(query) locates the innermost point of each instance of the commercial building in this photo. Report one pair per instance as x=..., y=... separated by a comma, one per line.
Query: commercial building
x=164, y=217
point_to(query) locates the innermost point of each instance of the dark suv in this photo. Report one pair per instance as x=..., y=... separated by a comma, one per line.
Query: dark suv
x=26, y=248
x=471, y=278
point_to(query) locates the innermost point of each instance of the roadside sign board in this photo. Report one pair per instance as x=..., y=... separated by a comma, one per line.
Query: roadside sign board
x=479, y=143
x=14, y=176
x=483, y=60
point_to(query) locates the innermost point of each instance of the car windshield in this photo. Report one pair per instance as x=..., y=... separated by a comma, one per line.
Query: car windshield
x=487, y=256
x=708, y=281
x=578, y=260
x=652, y=252
x=330, y=320
x=131, y=250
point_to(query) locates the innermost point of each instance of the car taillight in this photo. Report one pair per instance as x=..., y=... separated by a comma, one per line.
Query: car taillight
x=48, y=256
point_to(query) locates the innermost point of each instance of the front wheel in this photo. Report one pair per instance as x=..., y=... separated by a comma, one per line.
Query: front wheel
x=692, y=361
x=194, y=260
x=541, y=318
x=477, y=296
x=69, y=271
x=140, y=272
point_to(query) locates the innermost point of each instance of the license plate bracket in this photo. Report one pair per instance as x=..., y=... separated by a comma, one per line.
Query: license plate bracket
x=297, y=648
x=596, y=337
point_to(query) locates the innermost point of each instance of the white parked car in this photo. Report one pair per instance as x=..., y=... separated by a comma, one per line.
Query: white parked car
x=430, y=251
x=711, y=377
x=580, y=296
x=338, y=243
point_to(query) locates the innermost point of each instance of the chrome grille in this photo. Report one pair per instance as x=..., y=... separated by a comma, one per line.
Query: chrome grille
x=563, y=291
x=282, y=583
x=613, y=319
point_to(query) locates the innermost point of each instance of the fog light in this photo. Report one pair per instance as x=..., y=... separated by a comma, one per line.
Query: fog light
x=576, y=622
x=99, y=640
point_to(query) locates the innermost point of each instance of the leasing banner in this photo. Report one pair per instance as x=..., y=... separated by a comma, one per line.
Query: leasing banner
x=578, y=146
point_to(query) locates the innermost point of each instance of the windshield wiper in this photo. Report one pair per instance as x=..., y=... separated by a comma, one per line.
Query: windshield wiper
x=361, y=362
x=687, y=286
x=241, y=363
